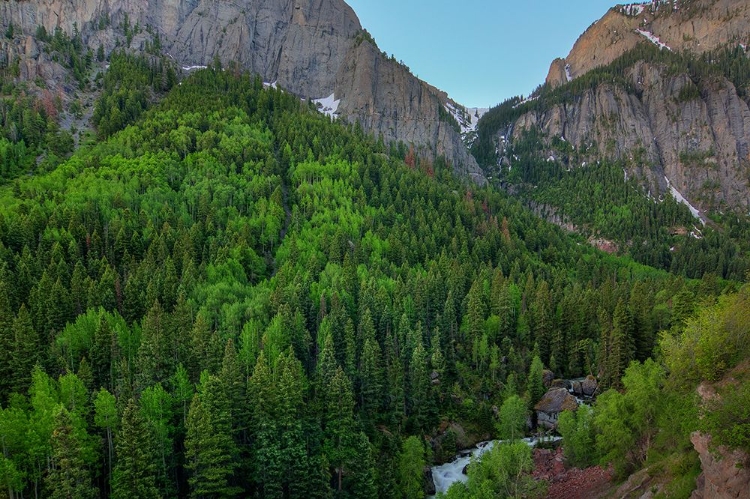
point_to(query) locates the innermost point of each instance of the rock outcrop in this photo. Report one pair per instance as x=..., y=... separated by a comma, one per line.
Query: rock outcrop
x=550, y=406
x=312, y=48
x=726, y=474
x=693, y=25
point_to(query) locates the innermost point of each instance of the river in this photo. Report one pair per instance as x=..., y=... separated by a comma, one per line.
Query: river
x=447, y=474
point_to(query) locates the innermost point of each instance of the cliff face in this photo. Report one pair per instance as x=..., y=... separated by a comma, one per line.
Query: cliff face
x=673, y=130
x=724, y=473
x=694, y=25
x=700, y=144
x=308, y=47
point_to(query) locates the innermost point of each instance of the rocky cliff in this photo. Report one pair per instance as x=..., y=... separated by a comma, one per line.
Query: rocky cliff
x=678, y=129
x=680, y=25
x=725, y=473
x=313, y=48
x=669, y=131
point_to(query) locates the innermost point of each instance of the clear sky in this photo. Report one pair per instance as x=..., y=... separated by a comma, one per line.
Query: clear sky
x=479, y=51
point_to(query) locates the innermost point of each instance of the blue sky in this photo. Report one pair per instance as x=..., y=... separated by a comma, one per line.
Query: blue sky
x=479, y=51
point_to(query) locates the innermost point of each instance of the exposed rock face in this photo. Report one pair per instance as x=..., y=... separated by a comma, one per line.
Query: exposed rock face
x=671, y=132
x=387, y=99
x=695, y=25
x=701, y=144
x=555, y=401
x=308, y=47
x=725, y=473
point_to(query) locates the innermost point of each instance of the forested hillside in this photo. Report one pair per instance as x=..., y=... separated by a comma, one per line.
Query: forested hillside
x=602, y=183
x=236, y=296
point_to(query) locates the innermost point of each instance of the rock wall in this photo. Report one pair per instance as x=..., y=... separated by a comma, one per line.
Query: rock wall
x=701, y=144
x=726, y=474
x=308, y=47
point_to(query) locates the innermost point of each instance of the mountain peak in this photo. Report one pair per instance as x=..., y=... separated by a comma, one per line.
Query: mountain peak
x=690, y=25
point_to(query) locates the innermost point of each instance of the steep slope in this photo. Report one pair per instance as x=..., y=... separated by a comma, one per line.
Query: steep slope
x=681, y=25
x=661, y=86
x=314, y=49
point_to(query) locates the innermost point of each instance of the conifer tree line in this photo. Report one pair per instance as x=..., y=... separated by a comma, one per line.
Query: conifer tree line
x=235, y=296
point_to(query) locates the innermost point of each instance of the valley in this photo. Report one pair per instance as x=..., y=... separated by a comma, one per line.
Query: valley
x=244, y=253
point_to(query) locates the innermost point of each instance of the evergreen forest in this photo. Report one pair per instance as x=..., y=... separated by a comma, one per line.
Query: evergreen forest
x=224, y=293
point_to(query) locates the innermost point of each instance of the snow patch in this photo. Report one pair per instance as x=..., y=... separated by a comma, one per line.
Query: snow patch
x=653, y=39
x=633, y=9
x=467, y=117
x=270, y=85
x=191, y=68
x=568, y=76
x=681, y=199
x=328, y=105
x=529, y=99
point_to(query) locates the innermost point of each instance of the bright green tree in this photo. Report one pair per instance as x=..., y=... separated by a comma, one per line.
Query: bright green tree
x=411, y=468
x=210, y=452
x=512, y=418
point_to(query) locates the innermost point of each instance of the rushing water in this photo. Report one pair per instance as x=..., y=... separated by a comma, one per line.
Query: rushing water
x=447, y=474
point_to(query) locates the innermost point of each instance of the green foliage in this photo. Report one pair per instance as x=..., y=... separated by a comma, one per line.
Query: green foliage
x=710, y=343
x=135, y=472
x=627, y=422
x=411, y=469
x=337, y=301
x=578, y=433
x=130, y=85
x=512, y=418
x=535, y=381
x=503, y=471
x=69, y=476
x=728, y=419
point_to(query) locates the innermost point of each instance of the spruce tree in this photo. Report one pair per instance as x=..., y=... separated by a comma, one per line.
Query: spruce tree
x=69, y=477
x=135, y=472
x=210, y=452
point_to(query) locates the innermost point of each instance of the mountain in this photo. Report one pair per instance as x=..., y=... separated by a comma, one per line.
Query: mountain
x=660, y=86
x=315, y=49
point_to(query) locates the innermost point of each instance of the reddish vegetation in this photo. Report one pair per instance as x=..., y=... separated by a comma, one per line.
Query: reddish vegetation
x=570, y=483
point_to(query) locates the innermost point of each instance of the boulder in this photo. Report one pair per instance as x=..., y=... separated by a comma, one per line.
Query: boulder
x=576, y=388
x=558, y=383
x=552, y=404
x=589, y=386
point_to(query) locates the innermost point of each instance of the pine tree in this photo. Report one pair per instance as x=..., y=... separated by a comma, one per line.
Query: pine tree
x=370, y=380
x=26, y=350
x=339, y=425
x=411, y=469
x=210, y=452
x=231, y=377
x=69, y=476
x=268, y=473
x=535, y=381
x=135, y=472
x=7, y=343
x=419, y=388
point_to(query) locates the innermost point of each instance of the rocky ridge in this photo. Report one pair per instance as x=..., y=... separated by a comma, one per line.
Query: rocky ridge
x=680, y=25
x=312, y=48
x=677, y=134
